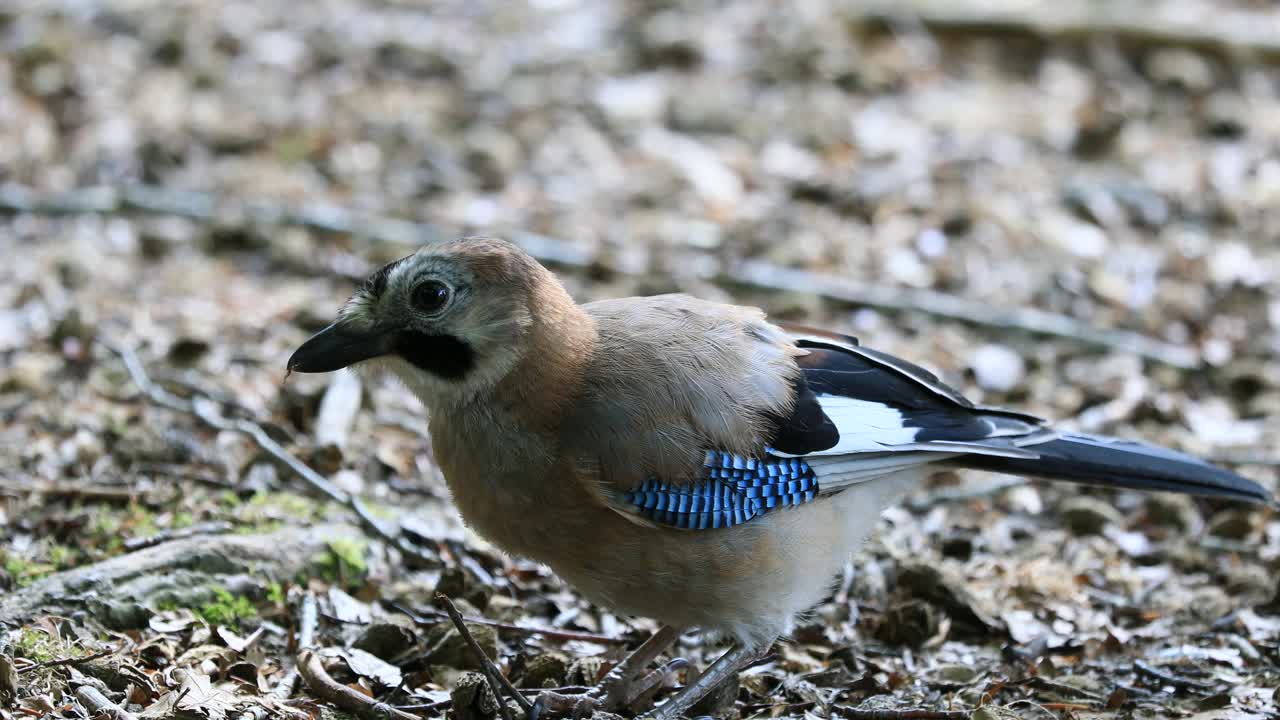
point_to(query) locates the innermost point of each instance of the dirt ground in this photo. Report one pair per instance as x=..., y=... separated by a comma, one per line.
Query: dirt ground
x=188, y=189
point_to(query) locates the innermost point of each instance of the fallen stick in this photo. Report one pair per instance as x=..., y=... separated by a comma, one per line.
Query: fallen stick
x=326, y=688
x=422, y=618
x=321, y=217
x=1239, y=33
x=98, y=703
x=951, y=307
x=497, y=681
x=1167, y=678
x=65, y=661
x=856, y=714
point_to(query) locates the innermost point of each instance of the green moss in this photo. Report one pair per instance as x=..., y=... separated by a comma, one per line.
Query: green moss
x=105, y=523
x=61, y=556
x=140, y=521
x=134, y=520
x=349, y=553
x=343, y=563
x=275, y=593
x=24, y=571
x=181, y=519
x=286, y=503
x=227, y=609
x=38, y=646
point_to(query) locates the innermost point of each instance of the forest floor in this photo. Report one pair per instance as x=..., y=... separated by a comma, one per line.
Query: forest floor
x=188, y=189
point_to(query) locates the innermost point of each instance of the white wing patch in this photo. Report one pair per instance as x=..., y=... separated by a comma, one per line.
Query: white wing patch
x=864, y=426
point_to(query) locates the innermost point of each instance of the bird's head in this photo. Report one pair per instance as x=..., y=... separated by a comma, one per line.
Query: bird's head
x=450, y=320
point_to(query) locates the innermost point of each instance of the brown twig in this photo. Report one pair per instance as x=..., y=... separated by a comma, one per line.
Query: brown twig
x=497, y=681
x=345, y=698
x=206, y=207
x=430, y=617
x=447, y=703
x=1062, y=689
x=206, y=410
x=65, y=661
x=1182, y=683
x=98, y=704
x=857, y=714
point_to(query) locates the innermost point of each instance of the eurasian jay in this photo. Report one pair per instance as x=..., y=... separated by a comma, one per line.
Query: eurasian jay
x=681, y=459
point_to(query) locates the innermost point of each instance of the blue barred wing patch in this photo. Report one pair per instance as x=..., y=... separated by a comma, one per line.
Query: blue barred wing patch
x=735, y=489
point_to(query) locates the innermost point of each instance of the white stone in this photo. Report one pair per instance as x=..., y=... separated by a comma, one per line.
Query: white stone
x=997, y=368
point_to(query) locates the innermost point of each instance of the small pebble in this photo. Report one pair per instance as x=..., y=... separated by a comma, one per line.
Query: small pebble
x=997, y=368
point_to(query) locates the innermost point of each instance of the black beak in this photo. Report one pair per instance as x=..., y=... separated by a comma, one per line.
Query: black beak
x=336, y=347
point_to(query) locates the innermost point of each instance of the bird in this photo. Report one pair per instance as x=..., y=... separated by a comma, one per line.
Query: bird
x=680, y=459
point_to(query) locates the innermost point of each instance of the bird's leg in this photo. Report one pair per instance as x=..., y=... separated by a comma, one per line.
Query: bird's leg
x=728, y=664
x=614, y=690
x=617, y=688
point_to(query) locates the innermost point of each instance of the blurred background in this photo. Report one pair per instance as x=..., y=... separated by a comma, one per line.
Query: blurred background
x=1073, y=208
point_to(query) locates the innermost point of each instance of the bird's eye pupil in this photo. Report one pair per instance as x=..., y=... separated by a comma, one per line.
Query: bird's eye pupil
x=431, y=296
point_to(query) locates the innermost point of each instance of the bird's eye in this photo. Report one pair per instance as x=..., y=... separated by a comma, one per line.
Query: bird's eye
x=430, y=296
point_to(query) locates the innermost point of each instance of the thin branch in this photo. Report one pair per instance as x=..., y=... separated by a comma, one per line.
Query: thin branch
x=104, y=493
x=65, y=661
x=1246, y=33
x=324, y=218
x=310, y=621
x=857, y=714
x=497, y=681
x=1182, y=683
x=98, y=704
x=430, y=617
x=206, y=410
x=345, y=698
x=974, y=312
x=216, y=527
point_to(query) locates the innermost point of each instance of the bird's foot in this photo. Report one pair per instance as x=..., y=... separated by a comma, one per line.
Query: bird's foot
x=615, y=692
x=728, y=665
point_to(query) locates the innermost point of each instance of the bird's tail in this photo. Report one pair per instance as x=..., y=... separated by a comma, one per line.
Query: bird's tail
x=1098, y=460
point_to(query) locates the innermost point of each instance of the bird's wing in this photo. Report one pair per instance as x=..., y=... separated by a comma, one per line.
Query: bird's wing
x=858, y=415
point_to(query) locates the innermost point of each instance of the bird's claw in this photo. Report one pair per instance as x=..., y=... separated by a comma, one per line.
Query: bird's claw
x=574, y=705
x=613, y=693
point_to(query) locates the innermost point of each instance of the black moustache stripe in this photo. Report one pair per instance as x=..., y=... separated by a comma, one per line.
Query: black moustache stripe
x=445, y=356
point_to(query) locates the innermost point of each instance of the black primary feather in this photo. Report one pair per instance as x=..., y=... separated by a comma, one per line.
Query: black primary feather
x=1098, y=460
x=807, y=429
